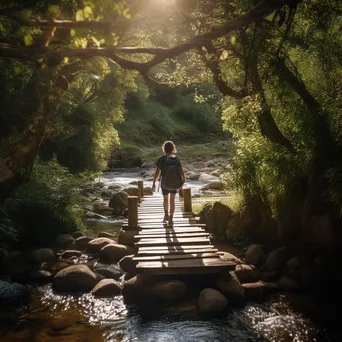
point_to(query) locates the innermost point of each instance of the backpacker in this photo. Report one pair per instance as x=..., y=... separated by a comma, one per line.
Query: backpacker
x=172, y=173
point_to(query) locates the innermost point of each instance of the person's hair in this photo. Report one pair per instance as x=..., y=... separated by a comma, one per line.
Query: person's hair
x=169, y=147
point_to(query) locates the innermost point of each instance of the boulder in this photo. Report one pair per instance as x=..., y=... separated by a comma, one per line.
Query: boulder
x=287, y=284
x=95, y=245
x=206, y=178
x=207, y=218
x=247, y=273
x=109, y=273
x=82, y=242
x=168, y=290
x=107, y=235
x=129, y=266
x=229, y=285
x=221, y=215
x=12, y=293
x=44, y=255
x=114, y=252
x=77, y=234
x=132, y=191
x=148, y=164
x=75, y=278
x=293, y=266
x=255, y=255
x=148, y=191
x=193, y=175
x=126, y=236
x=276, y=259
x=116, y=187
x=106, y=288
x=255, y=292
x=235, y=229
x=211, y=302
x=119, y=202
x=108, y=193
x=71, y=253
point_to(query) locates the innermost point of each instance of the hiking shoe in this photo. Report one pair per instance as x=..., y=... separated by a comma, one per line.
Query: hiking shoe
x=166, y=218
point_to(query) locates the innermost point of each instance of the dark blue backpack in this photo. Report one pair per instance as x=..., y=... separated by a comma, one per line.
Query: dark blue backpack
x=172, y=173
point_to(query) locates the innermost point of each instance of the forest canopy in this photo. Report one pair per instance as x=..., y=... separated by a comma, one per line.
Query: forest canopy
x=71, y=71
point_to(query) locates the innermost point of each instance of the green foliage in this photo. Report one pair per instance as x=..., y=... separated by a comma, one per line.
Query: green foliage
x=49, y=204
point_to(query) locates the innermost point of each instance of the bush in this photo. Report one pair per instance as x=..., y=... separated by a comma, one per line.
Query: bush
x=49, y=204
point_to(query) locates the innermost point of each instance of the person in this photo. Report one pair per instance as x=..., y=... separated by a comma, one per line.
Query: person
x=169, y=153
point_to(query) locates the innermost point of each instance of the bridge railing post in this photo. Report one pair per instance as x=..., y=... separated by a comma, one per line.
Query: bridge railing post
x=141, y=187
x=132, y=210
x=187, y=200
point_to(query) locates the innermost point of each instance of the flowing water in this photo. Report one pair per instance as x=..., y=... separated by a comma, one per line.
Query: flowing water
x=82, y=318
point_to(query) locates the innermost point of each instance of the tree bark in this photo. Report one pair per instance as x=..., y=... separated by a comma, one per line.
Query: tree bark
x=16, y=166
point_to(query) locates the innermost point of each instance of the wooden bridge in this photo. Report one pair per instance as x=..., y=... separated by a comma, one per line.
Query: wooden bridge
x=181, y=248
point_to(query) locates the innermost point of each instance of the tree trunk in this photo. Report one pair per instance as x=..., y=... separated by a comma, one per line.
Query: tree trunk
x=16, y=166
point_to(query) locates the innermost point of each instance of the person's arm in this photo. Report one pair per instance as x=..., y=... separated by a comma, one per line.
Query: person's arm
x=156, y=174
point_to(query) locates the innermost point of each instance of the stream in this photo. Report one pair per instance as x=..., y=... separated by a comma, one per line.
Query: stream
x=80, y=318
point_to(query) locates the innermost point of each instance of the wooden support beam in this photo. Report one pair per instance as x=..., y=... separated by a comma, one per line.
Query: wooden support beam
x=132, y=210
x=187, y=200
x=141, y=187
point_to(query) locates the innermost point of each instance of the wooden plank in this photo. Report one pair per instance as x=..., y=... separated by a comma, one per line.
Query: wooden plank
x=158, y=252
x=171, y=235
x=185, y=247
x=172, y=242
x=170, y=230
x=210, y=265
x=176, y=257
x=160, y=224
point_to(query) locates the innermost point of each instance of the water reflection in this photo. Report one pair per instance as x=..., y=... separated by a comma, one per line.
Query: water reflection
x=86, y=318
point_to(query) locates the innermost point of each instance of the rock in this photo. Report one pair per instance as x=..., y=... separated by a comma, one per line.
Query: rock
x=116, y=187
x=82, y=242
x=221, y=215
x=95, y=245
x=77, y=234
x=293, y=266
x=44, y=255
x=40, y=275
x=148, y=164
x=168, y=290
x=132, y=191
x=148, y=191
x=229, y=285
x=126, y=236
x=206, y=217
x=247, y=273
x=288, y=284
x=99, y=185
x=106, y=288
x=64, y=239
x=71, y=253
x=107, y=235
x=119, y=202
x=76, y=278
x=276, y=259
x=103, y=209
x=109, y=273
x=12, y=293
x=129, y=266
x=216, y=185
x=193, y=175
x=211, y=302
x=255, y=292
x=323, y=228
x=255, y=255
x=206, y=178
x=216, y=173
x=235, y=229
x=114, y=252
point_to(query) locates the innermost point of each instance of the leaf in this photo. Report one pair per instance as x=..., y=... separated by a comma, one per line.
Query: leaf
x=28, y=40
x=95, y=41
x=224, y=55
x=79, y=15
x=72, y=32
x=66, y=60
x=17, y=69
x=233, y=40
x=126, y=13
x=88, y=12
